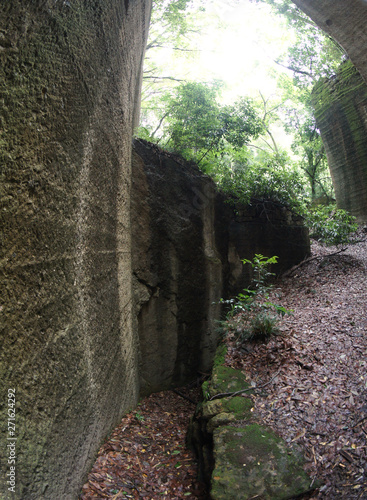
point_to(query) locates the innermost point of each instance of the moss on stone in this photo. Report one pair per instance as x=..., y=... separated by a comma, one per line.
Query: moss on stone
x=205, y=390
x=225, y=379
x=220, y=355
x=219, y=420
x=239, y=406
x=252, y=461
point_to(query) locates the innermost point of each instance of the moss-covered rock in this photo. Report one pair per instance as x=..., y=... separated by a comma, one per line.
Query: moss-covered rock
x=244, y=462
x=225, y=380
x=239, y=406
x=252, y=462
x=220, y=355
x=218, y=420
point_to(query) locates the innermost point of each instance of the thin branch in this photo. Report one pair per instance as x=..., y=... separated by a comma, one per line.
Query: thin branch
x=295, y=70
x=163, y=78
x=273, y=140
x=160, y=123
x=257, y=147
x=305, y=261
x=232, y=394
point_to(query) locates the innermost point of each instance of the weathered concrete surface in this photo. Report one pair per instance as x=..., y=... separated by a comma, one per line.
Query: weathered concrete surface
x=340, y=105
x=187, y=249
x=346, y=22
x=269, y=229
x=69, y=78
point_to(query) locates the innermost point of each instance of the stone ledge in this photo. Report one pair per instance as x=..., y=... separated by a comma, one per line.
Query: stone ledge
x=253, y=462
x=239, y=458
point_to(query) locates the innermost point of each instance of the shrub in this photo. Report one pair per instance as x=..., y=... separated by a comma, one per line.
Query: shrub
x=252, y=315
x=331, y=226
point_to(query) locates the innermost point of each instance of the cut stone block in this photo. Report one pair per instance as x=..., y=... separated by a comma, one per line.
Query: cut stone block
x=253, y=462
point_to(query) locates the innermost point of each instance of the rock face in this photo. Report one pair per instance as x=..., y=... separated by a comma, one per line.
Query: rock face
x=252, y=461
x=69, y=80
x=180, y=241
x=69, y=90
x=269, y=229
x=340, y=107
x=346, y=22
x=187, y=249
x=342, y=120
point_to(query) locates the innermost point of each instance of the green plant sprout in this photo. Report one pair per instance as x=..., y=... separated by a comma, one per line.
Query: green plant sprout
x=252, y=315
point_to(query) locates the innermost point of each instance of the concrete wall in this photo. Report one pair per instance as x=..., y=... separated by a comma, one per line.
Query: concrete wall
x=69, y=79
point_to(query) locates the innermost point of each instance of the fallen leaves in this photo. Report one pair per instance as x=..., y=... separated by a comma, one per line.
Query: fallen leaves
x=318, y=400
x=146, y=456
x=313, y=383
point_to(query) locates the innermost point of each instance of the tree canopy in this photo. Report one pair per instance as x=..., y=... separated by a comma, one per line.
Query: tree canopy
x=199, y=127
x=237, y=142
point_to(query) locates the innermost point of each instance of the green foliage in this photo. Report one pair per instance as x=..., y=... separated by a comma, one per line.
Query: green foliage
x=193, y=120
x=310, y=151
x=174, y=34
x=260, y=268
x=331, y=226
x=235, y=143
x=263, y=326
x=200, y=129
x=268, y=182
x=139, y=416
x=314, y=54
x=252, y=315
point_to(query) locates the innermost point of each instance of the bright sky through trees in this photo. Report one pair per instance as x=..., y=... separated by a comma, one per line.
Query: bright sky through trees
x=243, y=52
x=237, y=49
x=238, y=45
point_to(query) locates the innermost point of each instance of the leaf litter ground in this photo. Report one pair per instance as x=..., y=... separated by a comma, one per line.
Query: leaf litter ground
x=317, y=395
x=146, y=456
x=316, y=398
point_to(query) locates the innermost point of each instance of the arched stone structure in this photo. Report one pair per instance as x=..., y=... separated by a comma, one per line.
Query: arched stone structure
x=341, y=102
x=346, y=22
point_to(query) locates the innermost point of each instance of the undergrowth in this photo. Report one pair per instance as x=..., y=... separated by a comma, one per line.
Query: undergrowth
x=251, y=315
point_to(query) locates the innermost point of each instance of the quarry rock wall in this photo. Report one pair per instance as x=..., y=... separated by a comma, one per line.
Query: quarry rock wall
x=188, y=243
x=340, y=105
x=69, y=81
x=71, y=346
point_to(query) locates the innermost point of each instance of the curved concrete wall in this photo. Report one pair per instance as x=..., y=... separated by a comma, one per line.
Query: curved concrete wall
x=340, y=105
